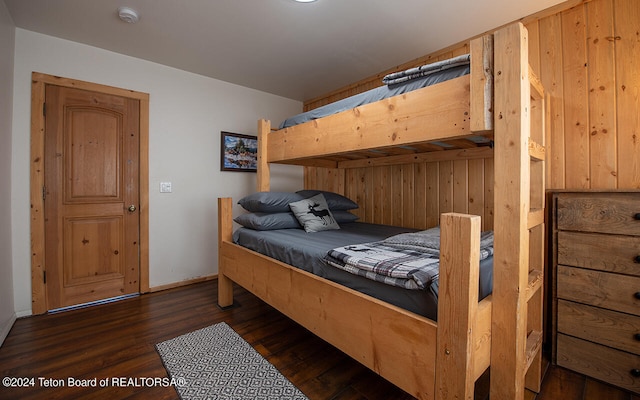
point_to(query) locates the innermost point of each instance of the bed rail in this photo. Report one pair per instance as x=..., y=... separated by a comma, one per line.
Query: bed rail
x=464, y=325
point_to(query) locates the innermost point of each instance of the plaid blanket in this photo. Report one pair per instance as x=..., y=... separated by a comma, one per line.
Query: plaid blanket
x=424, y=70
x=409, y=260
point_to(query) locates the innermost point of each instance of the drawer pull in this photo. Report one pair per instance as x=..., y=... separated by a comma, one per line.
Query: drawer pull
x=637, y=336
x=637, y=295
x=636, y=259
x=635, y=372
x=636, y=216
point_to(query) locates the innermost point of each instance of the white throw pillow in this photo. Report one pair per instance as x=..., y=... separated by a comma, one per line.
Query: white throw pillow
x=313, y=214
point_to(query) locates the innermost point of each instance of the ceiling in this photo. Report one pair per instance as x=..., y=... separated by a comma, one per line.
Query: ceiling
x=295, y=50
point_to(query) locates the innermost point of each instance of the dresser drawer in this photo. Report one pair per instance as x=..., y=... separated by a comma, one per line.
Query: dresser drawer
x=610, y=328
x=602, y=289
x=599, y=212
x=612, y=366
x=612, y=253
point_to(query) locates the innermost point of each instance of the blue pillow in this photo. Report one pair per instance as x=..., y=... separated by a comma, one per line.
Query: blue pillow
x=343, y=217
x=269, y=202
x=335, y=201
x=268, y=221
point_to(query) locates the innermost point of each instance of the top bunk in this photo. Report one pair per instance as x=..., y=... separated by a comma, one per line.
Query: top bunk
x=433, y=115
x=452, y=118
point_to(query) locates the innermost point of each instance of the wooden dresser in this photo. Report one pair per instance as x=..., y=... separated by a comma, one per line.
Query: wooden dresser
x=596, y=285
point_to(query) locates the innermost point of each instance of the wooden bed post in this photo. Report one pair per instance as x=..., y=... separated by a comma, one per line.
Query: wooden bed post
x=516, y=333
x=457, y=306
x=264, y=127
x=481, y=84
x=225, y=231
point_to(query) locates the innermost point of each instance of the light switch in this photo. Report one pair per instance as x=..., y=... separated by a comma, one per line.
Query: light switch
x=165, y=187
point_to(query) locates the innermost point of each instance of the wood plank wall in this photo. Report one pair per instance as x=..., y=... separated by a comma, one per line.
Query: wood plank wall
x=413, y=195
x=587, y=53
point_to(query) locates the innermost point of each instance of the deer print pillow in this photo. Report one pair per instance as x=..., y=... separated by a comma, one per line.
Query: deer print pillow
x=313, y=214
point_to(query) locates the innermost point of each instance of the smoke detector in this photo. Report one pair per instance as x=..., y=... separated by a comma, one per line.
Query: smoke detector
x=128, y=15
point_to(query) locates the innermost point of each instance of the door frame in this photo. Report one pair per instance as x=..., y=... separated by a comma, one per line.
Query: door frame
x=38, y=85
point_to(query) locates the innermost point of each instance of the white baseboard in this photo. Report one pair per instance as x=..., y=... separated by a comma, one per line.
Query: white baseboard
x=4, y=330
x=21, y=314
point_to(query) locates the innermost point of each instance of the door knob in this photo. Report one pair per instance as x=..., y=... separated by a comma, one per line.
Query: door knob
x=132, y=208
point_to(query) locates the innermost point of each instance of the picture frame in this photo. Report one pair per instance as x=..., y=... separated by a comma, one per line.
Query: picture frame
x=239, y=153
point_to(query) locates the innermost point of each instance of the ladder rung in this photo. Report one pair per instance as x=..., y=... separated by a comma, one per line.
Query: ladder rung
x=535, y=283
x=535, y=218
x=536, y=151
x=537, y=89
x=534, y=344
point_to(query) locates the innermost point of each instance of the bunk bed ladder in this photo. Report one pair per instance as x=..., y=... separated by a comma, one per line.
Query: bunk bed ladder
x=520, y=123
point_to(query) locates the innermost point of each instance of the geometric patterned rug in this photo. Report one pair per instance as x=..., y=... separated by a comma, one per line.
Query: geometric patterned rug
x=216, y=363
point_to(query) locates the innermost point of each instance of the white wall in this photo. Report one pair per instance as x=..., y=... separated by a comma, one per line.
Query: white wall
x=7, y=39
x=187, y=113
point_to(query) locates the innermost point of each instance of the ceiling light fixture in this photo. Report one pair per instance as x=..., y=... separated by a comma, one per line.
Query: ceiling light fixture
x=305, y=1
x=128, y=15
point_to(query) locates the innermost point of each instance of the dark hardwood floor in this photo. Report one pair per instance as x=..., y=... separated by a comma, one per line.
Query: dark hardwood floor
x=117, y=340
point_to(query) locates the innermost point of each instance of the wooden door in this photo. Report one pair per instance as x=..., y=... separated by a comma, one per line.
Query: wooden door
x=91, y=196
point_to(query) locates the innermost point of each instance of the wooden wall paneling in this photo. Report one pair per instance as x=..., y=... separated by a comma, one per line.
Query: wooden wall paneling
x=337, y=178
x=602, y=116
x=551, y=74
x=407, y=205
x=476, y=189
x=444, y=56
x=378, y=195
x=376, y=207
x=325, y=176
x=351, y=190
x=445, y=186
x=627, y=53
x=459, y=51
x=433, y=194
x=420, y=196
x=574, y=53
x=360, y=196
x=487, y=223
x=460, y=186
x=310, y=178
x=396, y=180
x=351, y=186
x=413, y=194
x=369, y=196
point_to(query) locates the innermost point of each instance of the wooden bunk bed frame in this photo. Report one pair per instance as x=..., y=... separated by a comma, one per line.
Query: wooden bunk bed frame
x=501, y=98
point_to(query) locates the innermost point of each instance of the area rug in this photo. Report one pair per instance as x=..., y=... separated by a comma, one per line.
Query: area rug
x=216, y=363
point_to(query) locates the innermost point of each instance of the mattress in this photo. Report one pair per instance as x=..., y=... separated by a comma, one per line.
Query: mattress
x=377, y=94
x=307, y=250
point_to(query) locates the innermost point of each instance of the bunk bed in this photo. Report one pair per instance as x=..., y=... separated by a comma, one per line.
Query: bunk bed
x=500, y=99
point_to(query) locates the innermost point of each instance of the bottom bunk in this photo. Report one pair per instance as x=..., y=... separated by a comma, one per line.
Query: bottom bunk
x=362, y=242
x=415, y=353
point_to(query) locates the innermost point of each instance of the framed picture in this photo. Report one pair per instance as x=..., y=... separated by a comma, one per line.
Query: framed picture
x=239, y=152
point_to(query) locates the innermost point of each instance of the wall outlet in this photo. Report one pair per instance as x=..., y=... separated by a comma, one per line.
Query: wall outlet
x=165, y=187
